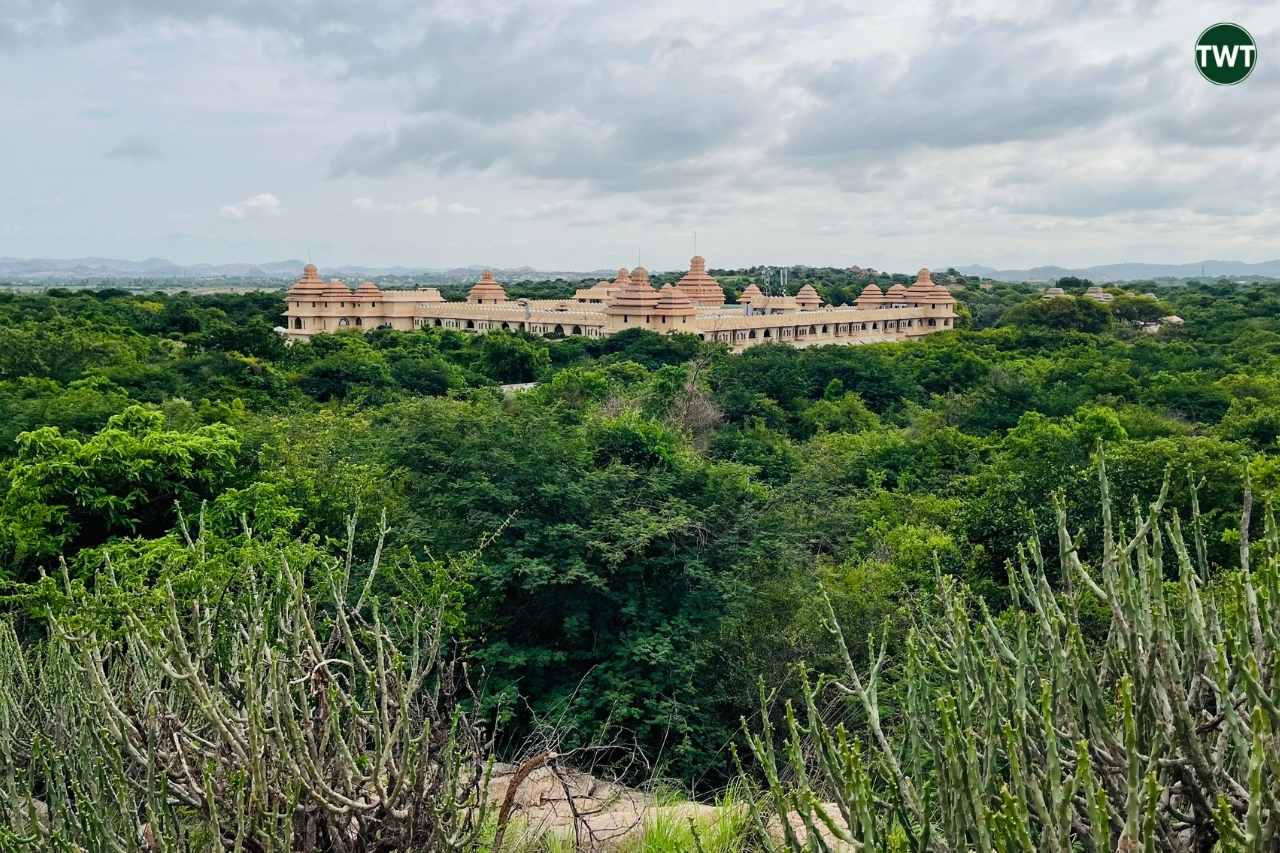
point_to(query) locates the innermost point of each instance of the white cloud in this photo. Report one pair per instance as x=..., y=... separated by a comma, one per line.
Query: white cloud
x=262, y=204
x=429, y=205
x=547, y=210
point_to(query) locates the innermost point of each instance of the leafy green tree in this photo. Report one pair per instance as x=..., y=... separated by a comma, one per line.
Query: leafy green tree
x=1063, y=314
x=613, y=560
x=1135, y=308
x=61, y=494
x=507, y=357
x=342, y=366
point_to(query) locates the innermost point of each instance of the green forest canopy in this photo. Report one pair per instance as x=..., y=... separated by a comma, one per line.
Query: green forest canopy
x=652, y=522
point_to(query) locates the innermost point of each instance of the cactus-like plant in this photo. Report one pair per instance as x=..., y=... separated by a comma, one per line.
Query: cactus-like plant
x=274, y=719
x=1027, y=732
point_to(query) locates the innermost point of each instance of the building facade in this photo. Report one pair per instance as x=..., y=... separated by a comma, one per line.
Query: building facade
x=694, y=305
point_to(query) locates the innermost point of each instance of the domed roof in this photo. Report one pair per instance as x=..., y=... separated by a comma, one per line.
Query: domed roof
x=672, y=301
x=700, y=287
x=368, y=288
x=336, y=289
x=487, y=290
x=308, y=284
x=923, y=289
x=635, y=295
x=897, y=290
x=748, y=293
x=807, y=297
x=870, y=297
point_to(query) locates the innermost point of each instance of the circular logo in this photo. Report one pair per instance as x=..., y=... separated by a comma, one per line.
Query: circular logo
x=1226, y=54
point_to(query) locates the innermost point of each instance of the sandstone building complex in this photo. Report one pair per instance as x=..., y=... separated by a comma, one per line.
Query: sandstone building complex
x=695, y=305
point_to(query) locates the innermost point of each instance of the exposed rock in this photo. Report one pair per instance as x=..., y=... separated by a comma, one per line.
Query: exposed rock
x=594, y=814
x=776, y=832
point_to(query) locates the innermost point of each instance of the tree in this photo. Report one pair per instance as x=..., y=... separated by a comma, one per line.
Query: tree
x=59, y=494
x=1136, y=309
x=506, y=357
x=1063, y=314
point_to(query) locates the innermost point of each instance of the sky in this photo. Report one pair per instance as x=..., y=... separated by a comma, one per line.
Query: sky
x=593, y=134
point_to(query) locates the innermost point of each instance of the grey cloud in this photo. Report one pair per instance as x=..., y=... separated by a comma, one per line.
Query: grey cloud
x=556, y=103
x=136, y=150
x=979, y=85
x=595, y=115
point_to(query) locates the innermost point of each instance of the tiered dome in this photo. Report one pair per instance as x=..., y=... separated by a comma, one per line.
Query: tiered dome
x=748, y=293
x=336, y=289
x=925, y=290
x=673, y=302
x=870, y=297
x=1097, y=294
x=808, y=298
x=635, y=295
x=700, y=287
x=922, y=287
x=309, y=285
x=486, y=290
x=368, y=288
x=895, y=294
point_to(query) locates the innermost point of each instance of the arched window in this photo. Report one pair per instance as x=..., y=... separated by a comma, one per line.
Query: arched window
x=343, y=322
x=768, y=333
x=577, y=330
x=470, y=324
x=359, y=322
x=297, y=322
x=751, y=334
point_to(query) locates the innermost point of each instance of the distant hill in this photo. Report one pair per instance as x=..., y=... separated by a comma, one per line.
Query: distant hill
x=1129, y=272
x=77, y=269
x=92, y=268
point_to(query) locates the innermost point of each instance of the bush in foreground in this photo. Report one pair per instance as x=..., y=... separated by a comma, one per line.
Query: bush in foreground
x=1126, y=712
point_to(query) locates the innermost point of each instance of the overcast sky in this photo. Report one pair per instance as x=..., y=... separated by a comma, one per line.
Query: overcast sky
x=579, y=135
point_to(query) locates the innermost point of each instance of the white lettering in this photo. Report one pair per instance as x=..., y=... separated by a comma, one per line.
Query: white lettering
x=1247, y=50
x=1225, y=55
x=1203, y=50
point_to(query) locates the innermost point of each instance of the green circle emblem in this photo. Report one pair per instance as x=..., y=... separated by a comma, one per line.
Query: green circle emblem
x=1226, y=54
